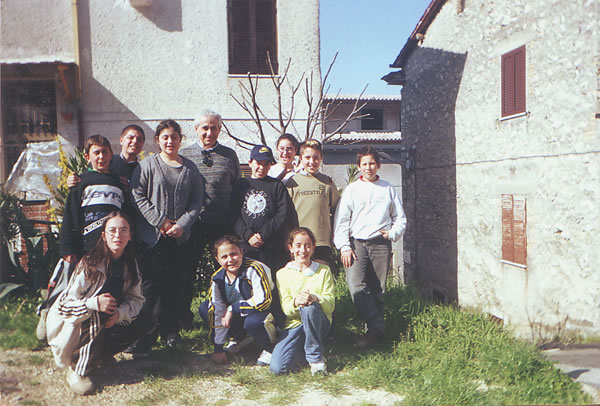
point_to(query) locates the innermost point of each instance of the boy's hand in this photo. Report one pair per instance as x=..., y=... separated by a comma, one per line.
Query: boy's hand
x=70, y=258
x=175, y=231
x=347, y=258
x=226, y=321
x=166, y=226
x=385, y=234
x=112, y=320
x=73, y=180
x=219, y=358
x=256, y=240
x=107, y=303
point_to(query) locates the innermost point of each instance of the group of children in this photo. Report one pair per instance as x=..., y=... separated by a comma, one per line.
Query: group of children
x=274, y=285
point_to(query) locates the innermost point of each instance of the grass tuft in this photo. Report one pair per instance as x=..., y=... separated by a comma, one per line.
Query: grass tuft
x=18, y=321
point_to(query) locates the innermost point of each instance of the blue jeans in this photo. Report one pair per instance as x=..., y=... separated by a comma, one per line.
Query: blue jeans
x=252, y=325
x=367, y=277
x=303, y=343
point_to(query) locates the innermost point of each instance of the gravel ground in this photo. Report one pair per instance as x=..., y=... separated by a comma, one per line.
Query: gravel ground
x=32, y=378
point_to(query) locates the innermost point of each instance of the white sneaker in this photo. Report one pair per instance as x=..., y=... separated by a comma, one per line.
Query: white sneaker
x=81, y=385
x=234, y=346
x=40, y=330
x=264, y=359
x=318, y=368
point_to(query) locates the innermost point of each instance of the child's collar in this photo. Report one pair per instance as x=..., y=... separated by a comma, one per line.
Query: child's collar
x=364, y=180
x=303, y=172
x=308, y=271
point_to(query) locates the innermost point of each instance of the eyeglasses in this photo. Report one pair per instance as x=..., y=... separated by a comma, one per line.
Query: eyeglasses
x=206, y=158
x=286, y=149
x=124, y=231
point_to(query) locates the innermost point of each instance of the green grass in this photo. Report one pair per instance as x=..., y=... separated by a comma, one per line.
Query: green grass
x=431, y=355
x=462, y=358
x=18, y=321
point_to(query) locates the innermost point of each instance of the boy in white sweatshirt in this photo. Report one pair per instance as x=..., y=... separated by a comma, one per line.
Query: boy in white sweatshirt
x=369, y=217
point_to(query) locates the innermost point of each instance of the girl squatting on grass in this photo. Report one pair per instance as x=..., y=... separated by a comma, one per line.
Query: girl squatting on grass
x=239, y=301
x=90, y=321
x=306, y=288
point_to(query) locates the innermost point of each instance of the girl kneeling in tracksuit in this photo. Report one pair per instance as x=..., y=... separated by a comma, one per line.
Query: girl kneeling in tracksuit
x=90, y=320
x=239, y=301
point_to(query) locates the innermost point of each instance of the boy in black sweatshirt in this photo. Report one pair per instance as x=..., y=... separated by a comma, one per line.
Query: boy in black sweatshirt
x=261, y=204
x=89, y=202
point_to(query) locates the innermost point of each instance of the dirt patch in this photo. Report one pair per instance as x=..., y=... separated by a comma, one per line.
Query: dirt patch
x=174, y=378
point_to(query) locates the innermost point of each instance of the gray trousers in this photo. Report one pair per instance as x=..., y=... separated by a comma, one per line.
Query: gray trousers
x=367, y=278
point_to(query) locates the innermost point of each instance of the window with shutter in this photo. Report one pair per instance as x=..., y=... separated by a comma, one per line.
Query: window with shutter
x=514, y=230
x=252, y=36
x=513, y=82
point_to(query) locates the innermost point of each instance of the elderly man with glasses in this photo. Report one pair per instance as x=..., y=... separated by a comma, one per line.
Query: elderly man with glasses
x=220, y=168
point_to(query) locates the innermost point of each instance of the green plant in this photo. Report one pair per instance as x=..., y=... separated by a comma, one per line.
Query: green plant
x=76, y=164
x=352, y=173
x=18, y=321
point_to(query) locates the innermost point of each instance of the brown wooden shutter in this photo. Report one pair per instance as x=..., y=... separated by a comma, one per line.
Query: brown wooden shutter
x=239, y=36
x=508, y=252
x=514, y=229
x=252, y=35
x=520, y=80
x=513, y=82
x=519, y=230
x=265, y=36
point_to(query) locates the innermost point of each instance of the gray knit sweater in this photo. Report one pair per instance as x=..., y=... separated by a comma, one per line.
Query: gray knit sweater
x=148, y=187
x=218, y=180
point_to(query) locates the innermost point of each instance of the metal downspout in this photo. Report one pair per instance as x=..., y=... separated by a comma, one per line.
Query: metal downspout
x=75, y=15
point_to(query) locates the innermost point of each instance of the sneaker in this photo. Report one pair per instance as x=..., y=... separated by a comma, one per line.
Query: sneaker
x=136, y=353
x=264, y=359
x=81, y=385
x=40, y=330
x=234, y=346
x=172, y=340
x=368, y=341
x=318, y=368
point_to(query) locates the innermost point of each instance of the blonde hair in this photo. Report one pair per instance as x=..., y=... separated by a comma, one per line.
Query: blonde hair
x=313, y=144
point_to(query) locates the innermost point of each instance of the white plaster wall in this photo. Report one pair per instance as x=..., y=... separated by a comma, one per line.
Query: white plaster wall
x=171, y=61
x=551, y=156
x=36, y=31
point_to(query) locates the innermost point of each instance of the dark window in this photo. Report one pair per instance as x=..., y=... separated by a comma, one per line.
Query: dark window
x=252, y=36
x=513, y=82
x=29, y=115
x=514, y=229
x=373, y=121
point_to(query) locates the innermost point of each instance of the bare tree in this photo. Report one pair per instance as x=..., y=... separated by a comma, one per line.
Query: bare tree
x=319, y=107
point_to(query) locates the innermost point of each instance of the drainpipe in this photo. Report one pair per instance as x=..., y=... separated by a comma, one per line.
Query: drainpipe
x=78, y=111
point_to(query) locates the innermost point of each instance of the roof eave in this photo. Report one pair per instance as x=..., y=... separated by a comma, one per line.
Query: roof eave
x=418, y=33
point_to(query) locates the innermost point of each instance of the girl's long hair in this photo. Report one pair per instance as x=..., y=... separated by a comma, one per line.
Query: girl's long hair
x=100, y=256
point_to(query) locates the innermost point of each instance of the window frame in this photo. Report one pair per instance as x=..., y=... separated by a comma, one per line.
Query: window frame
x=238, y=35
x=513, y=83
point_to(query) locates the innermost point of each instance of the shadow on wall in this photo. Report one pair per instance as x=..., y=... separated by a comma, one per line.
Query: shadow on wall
x=165, y=14
x=433, y=79
x=97, y=99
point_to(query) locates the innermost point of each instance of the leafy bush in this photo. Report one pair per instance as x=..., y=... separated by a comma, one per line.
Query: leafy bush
x=76, y=164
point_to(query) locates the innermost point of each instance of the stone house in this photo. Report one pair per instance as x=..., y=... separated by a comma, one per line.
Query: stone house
x=500, y=115
x=380, y=127
x=82, y=67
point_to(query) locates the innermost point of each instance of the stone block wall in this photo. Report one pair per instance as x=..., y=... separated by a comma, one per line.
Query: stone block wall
x=467, y=156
